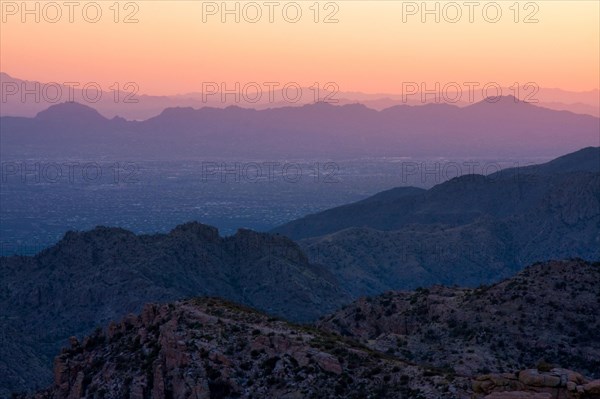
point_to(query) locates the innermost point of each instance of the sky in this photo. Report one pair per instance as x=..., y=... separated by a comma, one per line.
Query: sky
x=171, y=47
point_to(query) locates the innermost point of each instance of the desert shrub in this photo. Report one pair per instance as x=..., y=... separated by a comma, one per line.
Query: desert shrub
x=544, y=366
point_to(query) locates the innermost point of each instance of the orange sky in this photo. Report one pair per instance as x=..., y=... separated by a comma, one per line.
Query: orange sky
x=171, y=50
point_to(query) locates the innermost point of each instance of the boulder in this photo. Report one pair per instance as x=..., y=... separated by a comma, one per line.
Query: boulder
x=592, y=388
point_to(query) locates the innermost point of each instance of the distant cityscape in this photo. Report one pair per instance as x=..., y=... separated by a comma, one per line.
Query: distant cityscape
x=42, y=200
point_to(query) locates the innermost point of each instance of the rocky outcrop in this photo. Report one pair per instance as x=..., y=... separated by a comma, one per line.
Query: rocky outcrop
x=534, y=384
x=210, y=348
x=548, y=311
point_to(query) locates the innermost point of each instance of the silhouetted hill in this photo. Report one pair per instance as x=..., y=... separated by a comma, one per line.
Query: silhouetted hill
x=69, y=113
x=584, y=160
x=461, y=200
x=392, y=195
x=90, y=278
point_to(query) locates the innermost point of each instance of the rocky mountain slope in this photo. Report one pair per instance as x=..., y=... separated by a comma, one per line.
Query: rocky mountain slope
x=546, y=313
x=209, y=348
x=90, y=278
x=436, y=344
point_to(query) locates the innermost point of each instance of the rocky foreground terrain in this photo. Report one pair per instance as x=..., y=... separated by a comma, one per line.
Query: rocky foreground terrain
x=90, y=278
x=506, y=341
x=210, y=348
x=548, y=312
x=542, y=383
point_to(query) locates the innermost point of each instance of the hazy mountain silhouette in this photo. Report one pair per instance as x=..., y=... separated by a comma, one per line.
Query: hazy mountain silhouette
x=502, y=128
x=70, y=113
x=147, y=106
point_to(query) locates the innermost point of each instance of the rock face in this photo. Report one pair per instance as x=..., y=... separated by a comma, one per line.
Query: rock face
x=554, y=384
x=210, y=348
x=548, y=311
x=90, y=278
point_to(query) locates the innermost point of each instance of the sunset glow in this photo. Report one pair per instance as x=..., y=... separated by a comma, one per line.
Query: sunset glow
x=370, y=49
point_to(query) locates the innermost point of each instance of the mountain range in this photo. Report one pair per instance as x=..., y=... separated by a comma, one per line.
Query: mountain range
x=506, y=341
x=136, y=106
x=467, y=231
x=470, y=230
x=507, y=127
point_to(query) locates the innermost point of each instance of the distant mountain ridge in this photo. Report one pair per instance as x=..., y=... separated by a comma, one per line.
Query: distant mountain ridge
x=459, y=197
x=470, y=230
x=492, y=129
x=146, y=106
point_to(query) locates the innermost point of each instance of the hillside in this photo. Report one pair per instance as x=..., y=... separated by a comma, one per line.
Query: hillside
x=458, y=201
x=548, y=312
x=209, y=348
x=467, y=231
x=90, y=278
x=585, y=160
x=563, y=222
x=442, y=343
